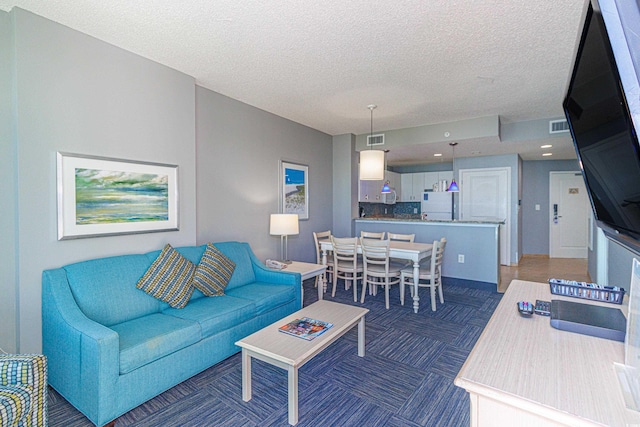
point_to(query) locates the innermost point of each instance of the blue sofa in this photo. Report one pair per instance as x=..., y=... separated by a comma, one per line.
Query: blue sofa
x=110, y=346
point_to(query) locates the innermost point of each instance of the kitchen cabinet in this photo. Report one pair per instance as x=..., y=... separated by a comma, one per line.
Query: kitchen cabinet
x=371, y=191
x=412, y=185
x=433, y=178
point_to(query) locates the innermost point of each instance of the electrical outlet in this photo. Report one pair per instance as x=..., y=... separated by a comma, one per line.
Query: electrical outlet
x=385, y=210
x=415, y=210
x=537, y=207
x=461, y=258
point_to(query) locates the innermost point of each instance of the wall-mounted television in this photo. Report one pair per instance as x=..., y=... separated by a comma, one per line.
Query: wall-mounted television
x=602, y=124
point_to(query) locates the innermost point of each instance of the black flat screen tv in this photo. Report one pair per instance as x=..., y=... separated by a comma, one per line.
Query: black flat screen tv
x=603, y=133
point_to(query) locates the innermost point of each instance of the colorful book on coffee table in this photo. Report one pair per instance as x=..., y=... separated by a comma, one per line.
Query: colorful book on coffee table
x=306, y=328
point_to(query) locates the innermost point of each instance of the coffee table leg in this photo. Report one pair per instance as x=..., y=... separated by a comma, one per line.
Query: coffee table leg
x=361, y=337
x=293, y=395
x=246, y=375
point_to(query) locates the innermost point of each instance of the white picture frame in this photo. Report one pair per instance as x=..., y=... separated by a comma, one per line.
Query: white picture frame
x=99, y=196
x=294, y=189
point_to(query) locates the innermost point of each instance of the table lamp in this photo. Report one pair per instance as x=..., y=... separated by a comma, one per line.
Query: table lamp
x=284, y=225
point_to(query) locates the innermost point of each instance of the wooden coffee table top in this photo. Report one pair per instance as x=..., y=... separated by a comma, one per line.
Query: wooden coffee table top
x=294, y=351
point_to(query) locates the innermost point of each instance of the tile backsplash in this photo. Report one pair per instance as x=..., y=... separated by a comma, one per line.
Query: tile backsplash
x=399, y=210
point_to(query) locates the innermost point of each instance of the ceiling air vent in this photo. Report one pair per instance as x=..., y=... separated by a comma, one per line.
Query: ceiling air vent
x=558, y=126
x=375, y=140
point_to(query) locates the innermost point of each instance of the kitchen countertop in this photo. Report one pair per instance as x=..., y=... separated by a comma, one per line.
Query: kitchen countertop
x=427, y=221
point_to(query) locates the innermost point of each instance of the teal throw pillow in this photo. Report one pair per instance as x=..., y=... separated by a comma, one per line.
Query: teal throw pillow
x=169, y=278
x=213, y=272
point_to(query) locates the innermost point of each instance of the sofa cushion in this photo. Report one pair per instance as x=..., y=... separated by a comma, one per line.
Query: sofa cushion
x=105, y=288
x=265, y=296
x=215, y=314
x=15, y=404
x=169, y=278
x=213, y=272
x=151, y=337
x=240, y=254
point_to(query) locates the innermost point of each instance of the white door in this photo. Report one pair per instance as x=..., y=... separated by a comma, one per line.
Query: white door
x=485, y=195
x=568, y=215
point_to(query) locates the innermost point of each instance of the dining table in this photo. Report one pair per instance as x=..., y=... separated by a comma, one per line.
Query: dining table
x=414, y=252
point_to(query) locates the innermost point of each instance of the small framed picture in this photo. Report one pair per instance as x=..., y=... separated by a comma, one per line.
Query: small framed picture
x=99, y=196
x=294, y=189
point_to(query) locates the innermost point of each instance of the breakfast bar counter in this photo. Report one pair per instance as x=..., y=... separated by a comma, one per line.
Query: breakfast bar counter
x=472, y=252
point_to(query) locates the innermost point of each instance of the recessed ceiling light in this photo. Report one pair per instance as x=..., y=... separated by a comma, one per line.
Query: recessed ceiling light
x=547, y=154
x=437, y=155
x=546, y=146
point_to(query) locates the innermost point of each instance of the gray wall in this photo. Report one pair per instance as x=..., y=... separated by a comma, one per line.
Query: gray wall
x=345, y=185
x=8, y=289
x=512, y=161
x=239, y=152
x=619, y=265
x=535, y=182
x=77, y=94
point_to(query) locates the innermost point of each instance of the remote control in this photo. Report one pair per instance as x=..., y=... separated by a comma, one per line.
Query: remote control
x=543, y=308
x=525, y=308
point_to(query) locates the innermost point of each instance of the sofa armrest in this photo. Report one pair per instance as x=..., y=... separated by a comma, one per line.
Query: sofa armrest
x=24, y=377
x=268, y=275
x=83, y=354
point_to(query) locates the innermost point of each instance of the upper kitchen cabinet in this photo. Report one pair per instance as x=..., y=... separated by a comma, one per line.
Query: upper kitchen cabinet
x=432, y=180
x=412, y=185
x=371, y=191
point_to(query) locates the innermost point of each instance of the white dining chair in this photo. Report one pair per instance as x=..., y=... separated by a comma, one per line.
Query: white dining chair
x=431, y=278
x=371, y=235
x=379, y=269
x=346, y=263
x=318, y=237
x=396, y=237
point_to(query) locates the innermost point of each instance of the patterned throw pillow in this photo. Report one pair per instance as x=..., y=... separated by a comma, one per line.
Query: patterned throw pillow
x=213, y=272
x=169, y=278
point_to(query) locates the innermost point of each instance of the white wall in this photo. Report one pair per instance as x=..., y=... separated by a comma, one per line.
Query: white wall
x=77, y=94
x=239, y=152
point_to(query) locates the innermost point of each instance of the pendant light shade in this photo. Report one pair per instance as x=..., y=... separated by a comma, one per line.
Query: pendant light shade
x=372, y=165
x=372, y=161
x=385, y=188
x=453, y=187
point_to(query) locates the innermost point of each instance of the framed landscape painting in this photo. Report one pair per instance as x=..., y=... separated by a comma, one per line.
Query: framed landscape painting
x=294, y=189
x=99, y=196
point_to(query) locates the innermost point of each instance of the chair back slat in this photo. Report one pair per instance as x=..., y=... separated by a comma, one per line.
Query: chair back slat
x=372, y=235
x=401, y=237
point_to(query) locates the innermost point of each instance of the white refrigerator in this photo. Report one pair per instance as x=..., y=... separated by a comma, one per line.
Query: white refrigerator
x=437, y=205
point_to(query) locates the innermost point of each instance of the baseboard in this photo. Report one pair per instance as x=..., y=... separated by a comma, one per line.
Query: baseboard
x=473, y=284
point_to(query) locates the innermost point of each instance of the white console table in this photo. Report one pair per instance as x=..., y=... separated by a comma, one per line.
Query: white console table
x=523, y=372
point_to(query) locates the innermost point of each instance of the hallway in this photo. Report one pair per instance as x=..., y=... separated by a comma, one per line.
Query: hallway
x=540, y=268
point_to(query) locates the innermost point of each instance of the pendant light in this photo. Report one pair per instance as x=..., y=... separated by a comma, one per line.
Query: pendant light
x=386, y=188
x=372, y=161
x=453, y=188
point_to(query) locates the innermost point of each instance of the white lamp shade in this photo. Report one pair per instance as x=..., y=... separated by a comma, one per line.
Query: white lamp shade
x=372, y=165
x=283, y=224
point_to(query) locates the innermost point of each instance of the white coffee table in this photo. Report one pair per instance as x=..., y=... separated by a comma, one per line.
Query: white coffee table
x=290, y=353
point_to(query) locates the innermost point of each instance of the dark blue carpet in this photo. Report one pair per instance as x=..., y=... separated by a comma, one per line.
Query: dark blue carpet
x=406, y=378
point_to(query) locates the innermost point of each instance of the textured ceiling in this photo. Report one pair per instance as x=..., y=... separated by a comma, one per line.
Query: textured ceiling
x=321, y=63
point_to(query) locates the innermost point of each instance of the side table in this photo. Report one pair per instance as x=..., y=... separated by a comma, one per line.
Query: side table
x=308, y=271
